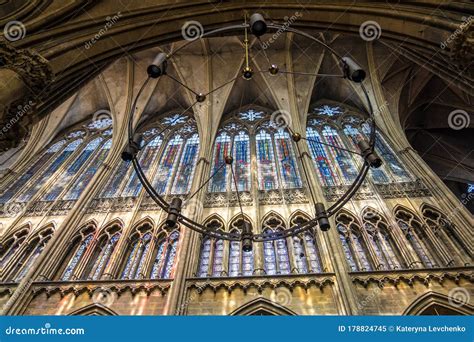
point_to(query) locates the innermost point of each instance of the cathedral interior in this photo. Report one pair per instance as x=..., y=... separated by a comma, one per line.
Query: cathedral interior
x=80, y=234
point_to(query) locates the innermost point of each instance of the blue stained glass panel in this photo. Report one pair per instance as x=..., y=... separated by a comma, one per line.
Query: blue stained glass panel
x=300, y=256
x=416, y=244
x=218, y=262
x=33, y=189
x=386, y=153
x=269, y=258
x=31, y=172
x=25, y=267
x=71, y=171
x=354, y=135
x=241, y=161
x=361, y=253
x=76, y=258
x=171, y=255
x=205, y=257
x=187, y=165
x=342, y=158
x=267, y=179
x=286, y=155
x=104, y=257
x=247, y=263
x=113, y=187
x=320, y=158
x=159, y=260
x=313, y=255
x=87, y=174
x=347, y=250
x=234, y=258
x=222, y=148
x=283, y=257
x=167, y=165
x=146, y=158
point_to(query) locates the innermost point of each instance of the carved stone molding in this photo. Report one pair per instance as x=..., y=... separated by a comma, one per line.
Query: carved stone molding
x=227, y=199
x=425, y=276
x=261, y=283
x=104, y=205
x=271, y=197
x=90, y=287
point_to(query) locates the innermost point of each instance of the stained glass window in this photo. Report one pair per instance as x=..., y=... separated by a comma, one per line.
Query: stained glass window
x=113, y=187
x=71, y=171
x=87, y=174
x=205, y=257
x=174, y=120
x=386, y=153
x=354, y=135
x=46, y=175
x=320, y=158
x=31, y=253
x=221, y=149
x=234, y=258
x=187, y=165
x=146, y=157
x=167, y=164
x=328, y=110
x=286, y=156
x=107, y=246
x=218, y=260
x=165, y=257
x=300, y=257
x=360, y=251
x=136, y=257
x=31, y=172
x=76, y=258
x=241, y=163
x=269, y=257
x=267, y=179
x=342, y=158
x=416, y=244
x=251, y=115
x=11, y=246
x=313, y=255
x=347, y=250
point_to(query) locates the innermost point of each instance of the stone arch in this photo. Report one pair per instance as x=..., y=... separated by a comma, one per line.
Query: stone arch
x=434, y=303
x=93, y=310
x=262, y=307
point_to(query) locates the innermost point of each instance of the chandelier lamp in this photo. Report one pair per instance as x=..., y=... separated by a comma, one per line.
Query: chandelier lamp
x=257, y=26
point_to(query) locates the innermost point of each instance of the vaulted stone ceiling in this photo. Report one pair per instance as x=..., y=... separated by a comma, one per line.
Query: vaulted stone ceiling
x=421, y=82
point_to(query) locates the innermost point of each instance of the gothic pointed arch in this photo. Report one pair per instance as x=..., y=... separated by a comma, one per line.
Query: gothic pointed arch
x=147, y=220
x=95, y=309
x=117, y=221
x=435, y=303
x=262, y=307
